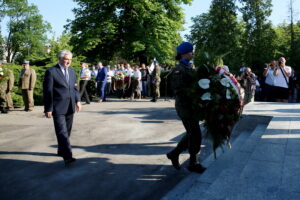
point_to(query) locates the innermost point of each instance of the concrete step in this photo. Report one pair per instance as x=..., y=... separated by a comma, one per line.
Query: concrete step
x=233, y=166
x=194, y=186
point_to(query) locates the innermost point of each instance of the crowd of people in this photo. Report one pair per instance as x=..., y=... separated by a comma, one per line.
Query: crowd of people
x=277, y=83
x=62, y=96
x=122, y=80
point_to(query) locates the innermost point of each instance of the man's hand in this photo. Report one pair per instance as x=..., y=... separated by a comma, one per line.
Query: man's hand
x=48, y=114
x=78, y=106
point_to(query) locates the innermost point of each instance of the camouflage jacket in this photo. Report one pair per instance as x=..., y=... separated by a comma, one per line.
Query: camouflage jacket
x=181, y=82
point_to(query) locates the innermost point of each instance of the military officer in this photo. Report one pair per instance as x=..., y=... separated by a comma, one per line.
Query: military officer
x=155, y=82
x=9, y=89
x=3, y=87
x=182, y=81
x=26, y=84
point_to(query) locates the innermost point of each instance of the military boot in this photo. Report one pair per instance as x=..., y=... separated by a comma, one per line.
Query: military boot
x=195, y=166
x=174, y=157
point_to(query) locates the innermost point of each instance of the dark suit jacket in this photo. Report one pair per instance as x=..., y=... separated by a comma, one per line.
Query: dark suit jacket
x=102, y=75
x=57, y=93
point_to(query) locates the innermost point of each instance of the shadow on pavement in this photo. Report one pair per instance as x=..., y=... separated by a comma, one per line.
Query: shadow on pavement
x=147, y=113
x=88, y=178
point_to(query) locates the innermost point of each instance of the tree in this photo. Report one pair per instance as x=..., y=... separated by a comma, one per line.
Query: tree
x=293, y=48
x=284, y=47
x=259, y=38
x=218, y=32
x=132, y=29
x=26, y=30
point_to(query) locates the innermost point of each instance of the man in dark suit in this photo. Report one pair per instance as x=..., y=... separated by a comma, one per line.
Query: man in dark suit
x=101, y=81
x=61, y=99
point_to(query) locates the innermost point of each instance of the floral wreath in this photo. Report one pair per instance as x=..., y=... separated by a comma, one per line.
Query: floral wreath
x=219, y=103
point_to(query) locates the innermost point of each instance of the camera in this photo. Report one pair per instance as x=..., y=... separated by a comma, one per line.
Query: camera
x=279, y=63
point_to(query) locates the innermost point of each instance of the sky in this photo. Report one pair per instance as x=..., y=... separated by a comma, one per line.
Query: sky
x=56, y=12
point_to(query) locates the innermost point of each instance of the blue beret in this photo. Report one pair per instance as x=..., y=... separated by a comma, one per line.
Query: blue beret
x=184, y=48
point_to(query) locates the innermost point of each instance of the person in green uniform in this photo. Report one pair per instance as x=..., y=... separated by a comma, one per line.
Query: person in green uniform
x=9, y=89
x=155, y=82
x=27, y=84
x=182, y=81
x=3, y=87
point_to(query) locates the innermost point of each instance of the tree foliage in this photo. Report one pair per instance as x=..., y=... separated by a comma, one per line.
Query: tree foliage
x=259, y=38
x=217, y=32
x=137, y=30
x=26, y=30
x=283, y=43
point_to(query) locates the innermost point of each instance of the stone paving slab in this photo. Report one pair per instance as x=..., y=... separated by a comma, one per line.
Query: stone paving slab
x=291, y=174
x=269, y=152
x=273, y=169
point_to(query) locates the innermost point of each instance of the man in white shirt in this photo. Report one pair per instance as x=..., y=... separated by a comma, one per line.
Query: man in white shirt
x=110, y=75
x=137, y=76
x=85, y=76
x=281, y=81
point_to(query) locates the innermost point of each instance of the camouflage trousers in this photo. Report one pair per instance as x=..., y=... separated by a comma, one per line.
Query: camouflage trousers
x=3, y=87
x=155, y=90
x=9, y=101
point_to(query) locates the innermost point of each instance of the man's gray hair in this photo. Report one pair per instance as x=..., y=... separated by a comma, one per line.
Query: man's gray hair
x=62, y=53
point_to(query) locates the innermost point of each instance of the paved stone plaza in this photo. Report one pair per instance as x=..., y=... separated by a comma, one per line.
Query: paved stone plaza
x=121, y=146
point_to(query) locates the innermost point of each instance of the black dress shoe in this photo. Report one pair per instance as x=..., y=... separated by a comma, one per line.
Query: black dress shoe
x=197, y=168
x=68, y=162
x=174, y=160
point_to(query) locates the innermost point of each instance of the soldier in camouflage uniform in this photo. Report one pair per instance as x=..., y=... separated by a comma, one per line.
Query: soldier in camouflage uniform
x=9, y=89
x=155, y=82
x=182, y=81
x=3, y=87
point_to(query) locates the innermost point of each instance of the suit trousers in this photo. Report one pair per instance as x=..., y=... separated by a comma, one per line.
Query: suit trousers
x=28, y=99
x=63, y=127
x=101, y=90
x=191, y=141
x=83, y=90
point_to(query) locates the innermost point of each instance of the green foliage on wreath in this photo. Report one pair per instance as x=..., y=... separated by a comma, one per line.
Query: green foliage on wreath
x=219, y=106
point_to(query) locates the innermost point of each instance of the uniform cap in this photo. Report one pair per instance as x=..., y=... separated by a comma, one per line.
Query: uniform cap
x=184, y=48
x=26, y=62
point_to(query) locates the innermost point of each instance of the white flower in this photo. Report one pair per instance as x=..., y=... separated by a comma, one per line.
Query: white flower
x=1, y=73
x=1, y=69
x=225, y=82
x=204, y=83
x=206, y=96
x=228, y=94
